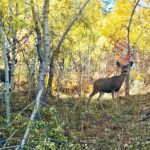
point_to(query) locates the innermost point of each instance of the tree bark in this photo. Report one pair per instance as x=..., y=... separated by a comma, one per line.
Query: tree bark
x=38, y=32
x=60, y=72
x=80, y=75
x=7, y=91
x=127, y=83
x=13, y=60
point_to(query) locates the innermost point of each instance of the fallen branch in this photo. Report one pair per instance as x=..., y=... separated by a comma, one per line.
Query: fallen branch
x=35, y=111
x=4, y=146
x=17, y=116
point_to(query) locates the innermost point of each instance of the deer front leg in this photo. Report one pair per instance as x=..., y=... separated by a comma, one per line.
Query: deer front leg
x=117, y=103
x=113, y=95
x=115, y=98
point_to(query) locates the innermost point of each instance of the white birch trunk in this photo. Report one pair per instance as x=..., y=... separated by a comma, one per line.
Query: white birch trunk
x=42, y=71
x=7, y=93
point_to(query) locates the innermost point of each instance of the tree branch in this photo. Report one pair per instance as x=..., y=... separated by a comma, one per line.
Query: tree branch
x=57, y=49
x=129, y=25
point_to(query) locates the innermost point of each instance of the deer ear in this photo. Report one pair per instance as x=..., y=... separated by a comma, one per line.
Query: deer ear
x=131, y=63
x=118, y=64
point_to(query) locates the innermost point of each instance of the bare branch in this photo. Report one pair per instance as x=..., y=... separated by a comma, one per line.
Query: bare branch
x=129, y=24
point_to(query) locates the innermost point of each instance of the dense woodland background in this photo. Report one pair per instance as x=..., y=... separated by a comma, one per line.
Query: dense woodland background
x=51, y=52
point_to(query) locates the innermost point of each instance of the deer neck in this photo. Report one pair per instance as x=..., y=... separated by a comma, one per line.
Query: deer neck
x=122, y=77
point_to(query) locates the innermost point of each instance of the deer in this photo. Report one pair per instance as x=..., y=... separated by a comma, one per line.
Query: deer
x=2, y=75
x=2, y=80
x=111, y=84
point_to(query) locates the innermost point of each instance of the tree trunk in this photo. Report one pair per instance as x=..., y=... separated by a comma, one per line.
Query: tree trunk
x=31, y=68
x=80, y=75
x=38, y=32
x=50, y=79
x=88, y=62
x=127, y=80
x=7, y=91
x=13, y=61
x=60, y=71
x=30, y=64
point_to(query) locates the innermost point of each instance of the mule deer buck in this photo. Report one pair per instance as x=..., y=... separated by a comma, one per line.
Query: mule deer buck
x=112, y=84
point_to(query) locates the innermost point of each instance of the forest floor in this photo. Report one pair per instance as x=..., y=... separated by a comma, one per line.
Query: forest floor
x=94, y=128
x=104, y=129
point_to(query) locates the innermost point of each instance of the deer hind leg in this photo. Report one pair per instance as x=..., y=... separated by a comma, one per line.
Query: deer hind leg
x=91, y=95
x=100, y=95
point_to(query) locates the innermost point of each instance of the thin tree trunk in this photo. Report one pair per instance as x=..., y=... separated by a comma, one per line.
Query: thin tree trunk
x=31, y=85
x=38, y=32
x=13, y=61
x=57, y=49
x=80, y=75
x=88, y=59
x=60, y=70
x=127, y=84
x=30, y=65
x=50, y=79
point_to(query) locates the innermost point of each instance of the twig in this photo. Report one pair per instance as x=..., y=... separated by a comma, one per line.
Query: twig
x=146, y=7
x=129, y=25
x=10, y=147
x=18, y=115
x=44, y=103
x=37, y=105
x=10, y=138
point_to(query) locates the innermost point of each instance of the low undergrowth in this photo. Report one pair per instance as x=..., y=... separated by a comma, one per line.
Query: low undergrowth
x=70, y=124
